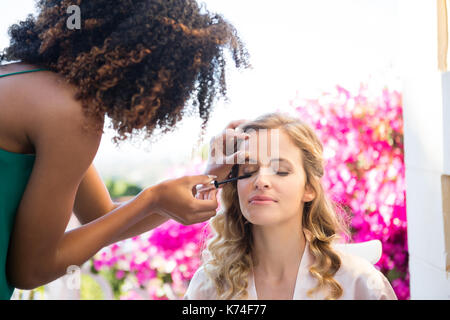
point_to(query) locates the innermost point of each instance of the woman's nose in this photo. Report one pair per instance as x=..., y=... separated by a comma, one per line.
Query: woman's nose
x=262, y=179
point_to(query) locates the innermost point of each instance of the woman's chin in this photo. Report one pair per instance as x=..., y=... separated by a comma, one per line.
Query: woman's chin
x=261, y=217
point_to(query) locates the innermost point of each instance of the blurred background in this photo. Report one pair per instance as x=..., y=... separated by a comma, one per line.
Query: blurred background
x=336, y=65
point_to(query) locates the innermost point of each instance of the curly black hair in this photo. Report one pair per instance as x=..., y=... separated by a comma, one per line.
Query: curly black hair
x=137, y=61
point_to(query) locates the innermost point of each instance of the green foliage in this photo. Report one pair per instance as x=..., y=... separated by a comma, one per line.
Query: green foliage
x=110, y=275
x=394, y=274
x=90, y=289
x=116, y=284
x=165, y=277
x=34, y=294
x=121, y=188
x=205, y=152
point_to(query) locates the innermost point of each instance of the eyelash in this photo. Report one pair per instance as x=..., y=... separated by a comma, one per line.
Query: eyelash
x=283, y=174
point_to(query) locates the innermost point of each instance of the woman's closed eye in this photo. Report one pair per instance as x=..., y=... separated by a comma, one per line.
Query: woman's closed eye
x=249, y=172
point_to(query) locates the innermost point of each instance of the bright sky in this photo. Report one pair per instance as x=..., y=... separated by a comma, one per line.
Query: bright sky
x=295, y=45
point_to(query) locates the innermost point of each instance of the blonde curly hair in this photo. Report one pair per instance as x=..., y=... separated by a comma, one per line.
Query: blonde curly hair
x=227, y=259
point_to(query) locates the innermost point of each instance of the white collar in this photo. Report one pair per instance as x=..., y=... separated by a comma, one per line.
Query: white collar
x=303, y=280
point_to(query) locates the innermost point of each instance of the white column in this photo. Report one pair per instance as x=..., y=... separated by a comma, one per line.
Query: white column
x=427, y=138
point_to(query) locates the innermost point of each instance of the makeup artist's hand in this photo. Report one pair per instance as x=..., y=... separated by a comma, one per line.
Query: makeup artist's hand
x=227, y=136
x=207, y=194
x=177, y=199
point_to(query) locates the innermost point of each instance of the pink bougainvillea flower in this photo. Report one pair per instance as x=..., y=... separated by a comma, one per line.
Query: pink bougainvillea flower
x=362, y=136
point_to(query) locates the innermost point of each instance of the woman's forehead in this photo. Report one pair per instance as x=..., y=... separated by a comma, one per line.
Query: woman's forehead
x=271, y=146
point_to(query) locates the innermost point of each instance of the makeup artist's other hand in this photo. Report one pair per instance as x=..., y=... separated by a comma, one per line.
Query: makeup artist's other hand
x=176, y=199
x=229, y=135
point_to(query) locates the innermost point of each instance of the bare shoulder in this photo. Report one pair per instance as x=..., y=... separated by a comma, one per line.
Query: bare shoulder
x=40, y=107
x=38, y=99
x=56, y=115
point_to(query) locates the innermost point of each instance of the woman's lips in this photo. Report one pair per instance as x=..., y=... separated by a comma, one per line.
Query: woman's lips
x=262, y=202
x=261, y=199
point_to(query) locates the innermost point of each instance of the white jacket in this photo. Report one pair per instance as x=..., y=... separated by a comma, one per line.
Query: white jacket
x=359, y=279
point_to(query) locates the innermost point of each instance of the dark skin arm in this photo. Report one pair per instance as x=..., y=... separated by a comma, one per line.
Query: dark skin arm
x=93, y=201
x=40, y=250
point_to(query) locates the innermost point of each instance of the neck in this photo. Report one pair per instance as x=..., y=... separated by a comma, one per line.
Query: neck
x=278, y=249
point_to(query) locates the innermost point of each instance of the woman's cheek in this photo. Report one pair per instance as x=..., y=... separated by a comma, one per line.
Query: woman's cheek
x=291, y=191
x=242, y=187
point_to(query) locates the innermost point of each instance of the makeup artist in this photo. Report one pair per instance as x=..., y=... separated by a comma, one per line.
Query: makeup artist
x=135, y=62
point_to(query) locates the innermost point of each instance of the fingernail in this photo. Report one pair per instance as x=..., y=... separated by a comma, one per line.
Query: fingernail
x=203, y=190
x=212, y=176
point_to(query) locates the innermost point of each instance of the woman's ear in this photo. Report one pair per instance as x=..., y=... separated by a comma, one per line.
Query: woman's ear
x=309, y=194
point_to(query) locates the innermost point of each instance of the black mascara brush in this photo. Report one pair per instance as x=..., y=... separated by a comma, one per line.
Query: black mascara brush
x=218, y=183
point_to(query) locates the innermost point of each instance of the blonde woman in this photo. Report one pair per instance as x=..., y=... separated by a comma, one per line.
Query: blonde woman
x=274, y=236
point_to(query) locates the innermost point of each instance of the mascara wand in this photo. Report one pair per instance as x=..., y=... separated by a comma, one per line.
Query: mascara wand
x=217, y=183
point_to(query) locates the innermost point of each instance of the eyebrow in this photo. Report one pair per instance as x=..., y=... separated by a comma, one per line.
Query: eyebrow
x=278, y=159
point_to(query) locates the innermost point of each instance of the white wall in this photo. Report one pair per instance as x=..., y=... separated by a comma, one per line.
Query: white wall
x=425, y=146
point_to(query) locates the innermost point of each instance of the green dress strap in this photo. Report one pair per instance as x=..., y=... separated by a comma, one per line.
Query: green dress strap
x=26, y=71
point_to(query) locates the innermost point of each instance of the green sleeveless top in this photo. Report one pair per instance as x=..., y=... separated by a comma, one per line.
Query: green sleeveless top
x=15, y=170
